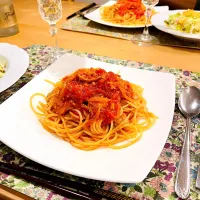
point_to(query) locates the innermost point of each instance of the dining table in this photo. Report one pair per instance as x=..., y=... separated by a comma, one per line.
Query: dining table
x=34, y=31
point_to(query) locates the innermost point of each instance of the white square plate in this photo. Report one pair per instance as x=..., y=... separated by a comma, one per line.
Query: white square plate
x=21, y=130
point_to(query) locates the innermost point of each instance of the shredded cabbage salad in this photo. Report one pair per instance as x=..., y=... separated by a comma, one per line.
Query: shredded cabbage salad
x=187, y=21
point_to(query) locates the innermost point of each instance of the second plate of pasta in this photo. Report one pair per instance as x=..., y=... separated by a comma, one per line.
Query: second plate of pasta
x=122, y=14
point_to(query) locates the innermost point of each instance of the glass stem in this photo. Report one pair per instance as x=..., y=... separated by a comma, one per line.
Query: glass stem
x=146, y=30
x=147, y=15
x=53, y=30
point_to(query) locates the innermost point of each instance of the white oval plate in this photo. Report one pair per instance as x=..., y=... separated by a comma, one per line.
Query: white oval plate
x=158, y=21
x=96, y=16
x=129, y=165
x=18, y=62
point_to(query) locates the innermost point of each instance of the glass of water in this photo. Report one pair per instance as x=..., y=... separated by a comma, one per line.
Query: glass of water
x=51, y=12
x=145, y=38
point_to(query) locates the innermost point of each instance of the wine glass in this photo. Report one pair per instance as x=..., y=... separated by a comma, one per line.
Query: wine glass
x=51, y=12
x=145, y=38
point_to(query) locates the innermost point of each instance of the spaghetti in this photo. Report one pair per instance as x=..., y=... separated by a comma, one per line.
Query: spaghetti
x=125, y=12
x=93, y=108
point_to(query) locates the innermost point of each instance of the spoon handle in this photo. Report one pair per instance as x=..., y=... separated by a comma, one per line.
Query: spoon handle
x=182, y=184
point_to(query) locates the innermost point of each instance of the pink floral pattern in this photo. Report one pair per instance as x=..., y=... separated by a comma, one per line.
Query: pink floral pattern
x=110, y=186
x=159, y=183
x=162, y=187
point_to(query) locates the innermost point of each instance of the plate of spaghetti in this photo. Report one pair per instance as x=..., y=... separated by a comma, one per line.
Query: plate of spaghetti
x=123, y=13
x=91, y=119
x=92, y=108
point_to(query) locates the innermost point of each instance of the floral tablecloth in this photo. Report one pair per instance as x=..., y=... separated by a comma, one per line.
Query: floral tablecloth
x=81, y=24
x=158, y=185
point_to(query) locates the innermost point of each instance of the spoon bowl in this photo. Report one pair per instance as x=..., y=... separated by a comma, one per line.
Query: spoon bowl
x=189, y=101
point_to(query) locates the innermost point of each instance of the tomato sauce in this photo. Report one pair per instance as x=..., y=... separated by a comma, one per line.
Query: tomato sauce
x=95, y=90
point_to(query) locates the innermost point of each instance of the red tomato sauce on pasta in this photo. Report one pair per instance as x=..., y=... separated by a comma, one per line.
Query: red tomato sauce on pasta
x=98, y=89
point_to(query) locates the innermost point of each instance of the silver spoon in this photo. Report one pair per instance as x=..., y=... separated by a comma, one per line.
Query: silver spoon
x=189, y=105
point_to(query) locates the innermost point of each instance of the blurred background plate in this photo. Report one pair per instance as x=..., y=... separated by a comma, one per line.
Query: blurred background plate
x=158, y=21
x=96, y=16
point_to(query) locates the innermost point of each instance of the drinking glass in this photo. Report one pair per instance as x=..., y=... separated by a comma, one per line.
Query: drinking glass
x=145, y=38
x=51, y=12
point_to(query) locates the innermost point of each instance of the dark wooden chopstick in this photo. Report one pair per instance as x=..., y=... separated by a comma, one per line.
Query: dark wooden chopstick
x=71, y=188
x=82, y=10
